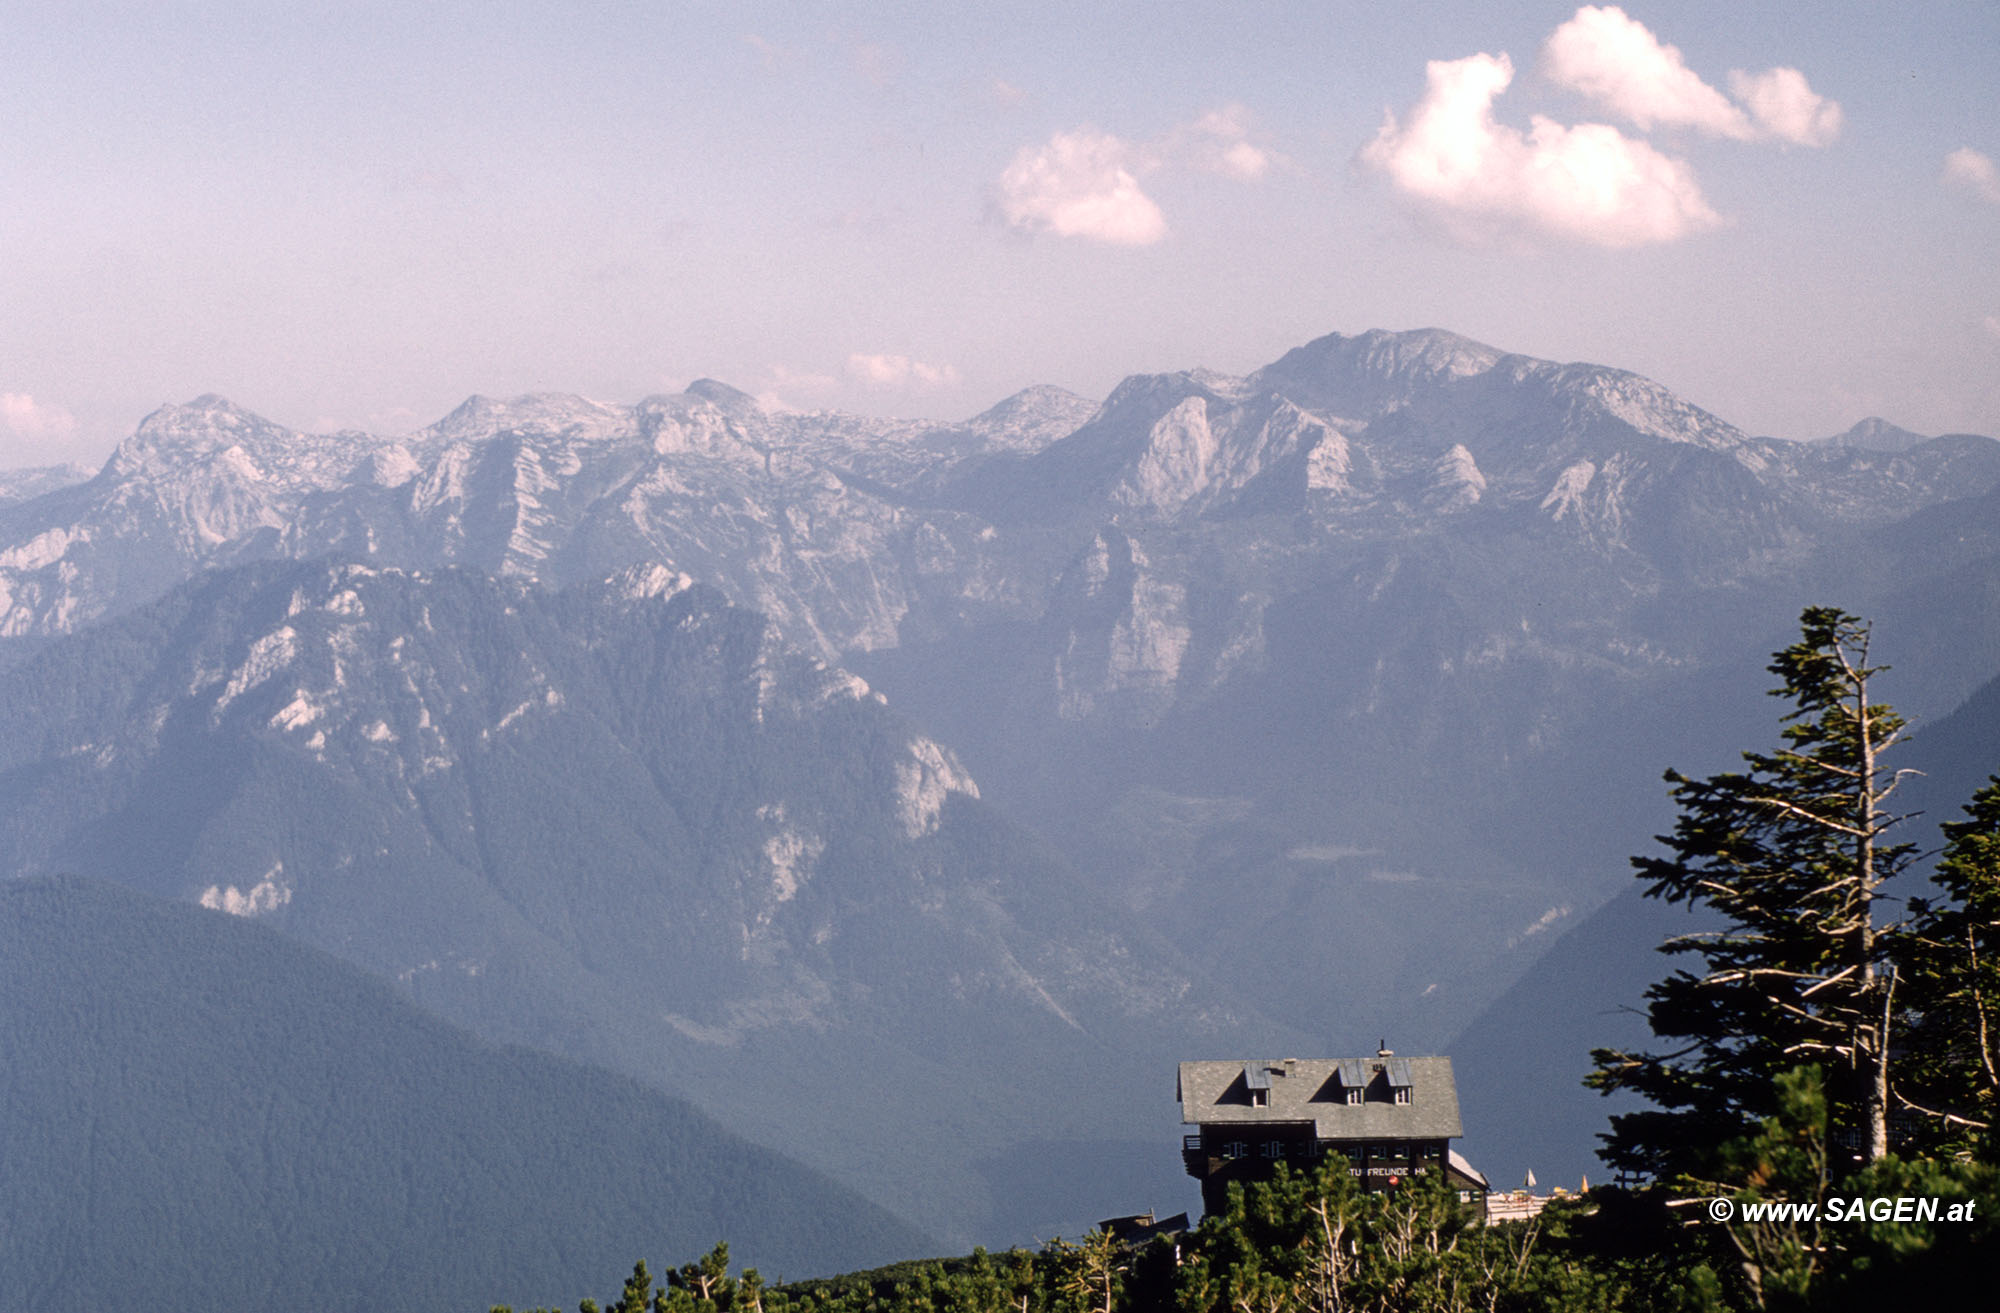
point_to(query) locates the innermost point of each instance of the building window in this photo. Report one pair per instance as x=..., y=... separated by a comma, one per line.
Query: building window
x=1354, y=1096
x=1235, y=1149
x=1274, y=1149
x=1402, y=1094
x=1260, y=1098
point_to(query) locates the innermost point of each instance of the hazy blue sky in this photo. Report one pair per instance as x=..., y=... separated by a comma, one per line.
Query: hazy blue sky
x=355, y=215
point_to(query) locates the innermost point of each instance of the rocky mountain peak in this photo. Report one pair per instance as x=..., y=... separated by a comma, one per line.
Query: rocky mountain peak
x=1643, y=404
x=211, y=435
x=208, y=414
x=1876, y=434
x=1375, y=372
x=1033, y=417
x=710, y=418
x=26, y=483
x=724, y=397
x=1422, y=350
x=543, y=414
x=1143, y=399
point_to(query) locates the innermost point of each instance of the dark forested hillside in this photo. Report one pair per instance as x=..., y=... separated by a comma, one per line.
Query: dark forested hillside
x=198, y=1114
x=621, y=823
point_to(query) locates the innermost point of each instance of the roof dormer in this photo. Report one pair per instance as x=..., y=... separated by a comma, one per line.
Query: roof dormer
x=1396, y=1072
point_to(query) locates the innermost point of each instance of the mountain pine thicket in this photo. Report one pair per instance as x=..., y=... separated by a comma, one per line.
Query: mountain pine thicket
x=1838, y=1043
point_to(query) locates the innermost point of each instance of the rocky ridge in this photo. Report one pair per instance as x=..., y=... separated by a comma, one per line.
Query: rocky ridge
x=1349, y=680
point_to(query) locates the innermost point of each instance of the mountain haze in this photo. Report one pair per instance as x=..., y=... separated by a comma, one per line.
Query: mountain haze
x=1282, y=712
x=620, y=822
x=228, y=1119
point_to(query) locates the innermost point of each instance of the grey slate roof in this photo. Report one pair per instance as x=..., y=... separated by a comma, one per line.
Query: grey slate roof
x=1315, y=1090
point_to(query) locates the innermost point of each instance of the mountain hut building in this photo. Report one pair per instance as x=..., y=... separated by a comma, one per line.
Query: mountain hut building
x=1391, y=1118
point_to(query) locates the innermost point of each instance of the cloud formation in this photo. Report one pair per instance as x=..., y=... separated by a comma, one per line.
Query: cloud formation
x=1086, y=183
x=1080, y=184
x=899, y=371
x=1219, y=142
x=1587, y=183
x=1786, y=108
x=34, y=421
x=1616, y=61
x=1967, y=169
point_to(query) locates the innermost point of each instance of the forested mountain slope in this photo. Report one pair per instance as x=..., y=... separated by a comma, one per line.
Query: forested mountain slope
x=199, y=1114
x=623, y=823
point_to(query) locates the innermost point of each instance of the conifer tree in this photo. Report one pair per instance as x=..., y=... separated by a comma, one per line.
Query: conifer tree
x=1952, y=966
x=1790, y=855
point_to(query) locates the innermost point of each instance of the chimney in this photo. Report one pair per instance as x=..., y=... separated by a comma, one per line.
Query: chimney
x=1384, y=1051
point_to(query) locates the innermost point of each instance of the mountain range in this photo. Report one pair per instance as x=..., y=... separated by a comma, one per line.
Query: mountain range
x=621, y=822
x=933, y=787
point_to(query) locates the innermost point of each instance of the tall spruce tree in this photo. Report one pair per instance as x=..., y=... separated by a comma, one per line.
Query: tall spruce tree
x=1951, y=968
x=1790, y=857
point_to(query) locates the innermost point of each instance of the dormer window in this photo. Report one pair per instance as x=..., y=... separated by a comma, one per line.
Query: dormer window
x=1354, y=1078
x=1397, y=1070
x=1257, y=1083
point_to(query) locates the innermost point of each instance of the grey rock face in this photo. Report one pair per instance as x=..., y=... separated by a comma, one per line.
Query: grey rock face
x=1345, y=683
x=624, y=822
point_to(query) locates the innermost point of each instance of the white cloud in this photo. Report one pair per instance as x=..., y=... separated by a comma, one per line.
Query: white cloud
x=899, y=371
x=1588, y=183
x=1967, y=168
x=37, y=421
x=1785, y=107
x=1086, y=183
x=1081, y=184
x=1618, y=63
x=1622, y=66
x=1218, y=142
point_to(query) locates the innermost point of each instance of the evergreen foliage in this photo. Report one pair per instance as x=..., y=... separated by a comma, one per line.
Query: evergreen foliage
x=1302, y=1243
x=250, y=1123
x=1829, y=1051
x=1793, y=854
x=1952, y=965
x=1315, y=1243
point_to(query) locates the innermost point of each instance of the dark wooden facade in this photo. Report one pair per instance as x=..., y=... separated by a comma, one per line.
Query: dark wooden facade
x=1392, y=1120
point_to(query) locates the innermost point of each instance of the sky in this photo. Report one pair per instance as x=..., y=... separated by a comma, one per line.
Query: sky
x=356, y=215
